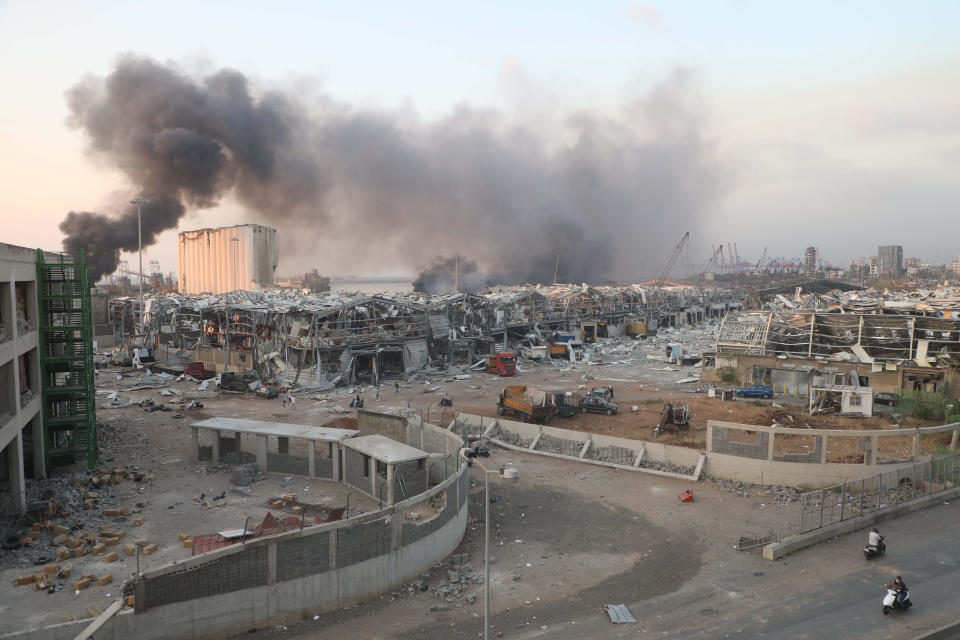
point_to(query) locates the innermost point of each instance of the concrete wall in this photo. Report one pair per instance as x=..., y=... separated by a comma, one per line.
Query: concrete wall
x=287, y=463
x=609, y=450
x=384, y=424
x=289, y=576
x=758, y=463
x=792, y=474
x=752, y=462
x=414, y=478
x=353, y=470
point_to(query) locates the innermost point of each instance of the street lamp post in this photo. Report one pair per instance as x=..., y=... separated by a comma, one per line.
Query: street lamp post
x=140, y=201
x=486, y=535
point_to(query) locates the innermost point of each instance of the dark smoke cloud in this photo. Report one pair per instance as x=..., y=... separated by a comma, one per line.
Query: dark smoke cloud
x=451, y=273
x=609, y=194
x=184, y=143
x=104, y=237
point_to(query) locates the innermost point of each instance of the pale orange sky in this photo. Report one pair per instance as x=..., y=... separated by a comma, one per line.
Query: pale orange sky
x=833, y=132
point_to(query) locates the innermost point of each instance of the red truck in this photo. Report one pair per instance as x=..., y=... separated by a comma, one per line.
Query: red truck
x=503, y=364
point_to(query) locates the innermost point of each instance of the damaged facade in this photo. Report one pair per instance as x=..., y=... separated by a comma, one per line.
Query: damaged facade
x=325, y=339
x=893, y=344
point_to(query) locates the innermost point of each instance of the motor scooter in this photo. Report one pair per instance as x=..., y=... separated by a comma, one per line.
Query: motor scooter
x=890, y=601
x=870, y=551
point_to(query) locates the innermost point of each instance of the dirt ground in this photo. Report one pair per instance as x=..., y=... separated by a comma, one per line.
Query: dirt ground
x=579, y=528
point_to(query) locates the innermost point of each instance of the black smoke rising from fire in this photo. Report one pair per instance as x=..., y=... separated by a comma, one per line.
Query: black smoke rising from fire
x=451, y=273
x=609, y=194
x=184, y=143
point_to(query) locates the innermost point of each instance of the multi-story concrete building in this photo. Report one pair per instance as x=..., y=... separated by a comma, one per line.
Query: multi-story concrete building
x=891, y=261
x=810, y=260
x=21, y=429
x=47, y=410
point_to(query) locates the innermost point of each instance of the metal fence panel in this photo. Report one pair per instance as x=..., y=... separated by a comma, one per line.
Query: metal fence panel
x=856, y=498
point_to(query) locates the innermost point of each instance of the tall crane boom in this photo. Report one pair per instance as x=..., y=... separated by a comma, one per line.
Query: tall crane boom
x=665, y=272
x=760, y=261
x=711, y=263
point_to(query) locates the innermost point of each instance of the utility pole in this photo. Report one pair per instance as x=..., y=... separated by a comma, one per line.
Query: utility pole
x=140, y=201
x=556, y=269
x=502, y=472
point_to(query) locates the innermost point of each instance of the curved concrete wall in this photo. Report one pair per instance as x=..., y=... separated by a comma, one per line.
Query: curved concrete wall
x=404, y=551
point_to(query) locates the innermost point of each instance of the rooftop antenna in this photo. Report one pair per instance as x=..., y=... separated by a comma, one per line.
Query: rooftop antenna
x=556, y=269
x=456, y=273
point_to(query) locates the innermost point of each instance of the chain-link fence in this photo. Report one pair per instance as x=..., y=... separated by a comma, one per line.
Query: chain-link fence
x=862, y=497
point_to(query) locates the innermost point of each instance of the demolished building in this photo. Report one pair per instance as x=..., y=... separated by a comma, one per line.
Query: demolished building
x=325, y=339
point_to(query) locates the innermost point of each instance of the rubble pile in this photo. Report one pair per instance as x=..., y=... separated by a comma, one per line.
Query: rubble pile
x=71, y=517
x=509, y=437
x=746, y=489
x=667, y=466
x=244, y=475
x=460, y=575
x=937, y=301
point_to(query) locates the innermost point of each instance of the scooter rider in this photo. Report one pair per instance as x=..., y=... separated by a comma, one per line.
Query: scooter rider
x=900, y=587
x=873, y=539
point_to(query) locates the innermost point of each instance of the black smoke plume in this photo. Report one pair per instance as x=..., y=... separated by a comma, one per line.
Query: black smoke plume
x=606, y=194
x=184, y=143
x=450, y=273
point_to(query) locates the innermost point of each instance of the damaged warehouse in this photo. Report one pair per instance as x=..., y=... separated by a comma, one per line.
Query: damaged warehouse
x=321, y=340
x=894, y=352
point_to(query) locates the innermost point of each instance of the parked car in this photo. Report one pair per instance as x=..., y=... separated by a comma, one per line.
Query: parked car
x=602, y=392
x=884, y=398
x=755, y=391
x=595, y=404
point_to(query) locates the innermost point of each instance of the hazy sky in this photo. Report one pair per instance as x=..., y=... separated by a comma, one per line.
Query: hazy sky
x=834, y=124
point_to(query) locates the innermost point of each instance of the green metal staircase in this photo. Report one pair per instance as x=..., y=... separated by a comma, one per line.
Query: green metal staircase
x=66, y=358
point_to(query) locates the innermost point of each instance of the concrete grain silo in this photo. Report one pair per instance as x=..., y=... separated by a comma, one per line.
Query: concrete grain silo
x=242, y=257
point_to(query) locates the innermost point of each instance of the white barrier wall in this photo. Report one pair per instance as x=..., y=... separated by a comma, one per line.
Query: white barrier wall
x=755, y=462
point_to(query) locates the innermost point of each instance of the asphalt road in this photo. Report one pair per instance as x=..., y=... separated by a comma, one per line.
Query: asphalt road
x=825, y=592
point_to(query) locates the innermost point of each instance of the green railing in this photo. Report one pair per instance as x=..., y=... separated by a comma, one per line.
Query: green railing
x=66, y=358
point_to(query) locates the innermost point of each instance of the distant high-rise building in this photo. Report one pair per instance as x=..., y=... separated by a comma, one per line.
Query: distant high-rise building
x=810, y=260
x=891, y=261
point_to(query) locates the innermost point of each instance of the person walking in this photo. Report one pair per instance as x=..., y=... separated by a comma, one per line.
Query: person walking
x=396, y=388
x=292, y=401
x=283, y=399
x=378, y=392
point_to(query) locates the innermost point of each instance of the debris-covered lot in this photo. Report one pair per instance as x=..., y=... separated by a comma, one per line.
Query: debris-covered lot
x=582, y=532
